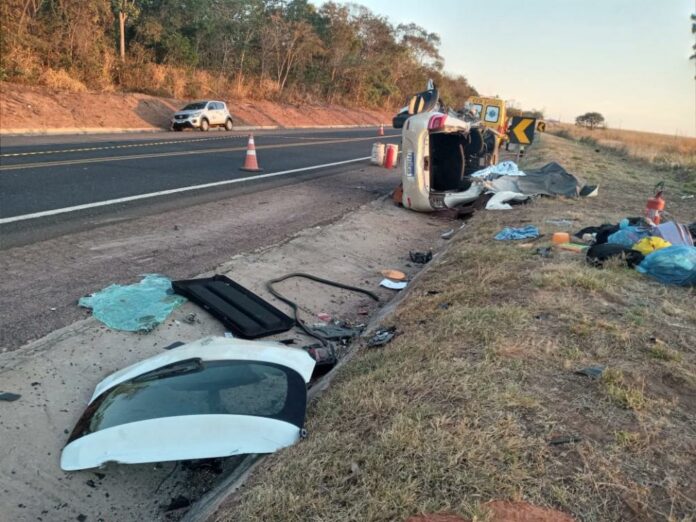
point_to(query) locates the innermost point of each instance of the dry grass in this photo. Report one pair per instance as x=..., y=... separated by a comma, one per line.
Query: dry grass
x=665, y=152
x=460, y=407
x=60, y=80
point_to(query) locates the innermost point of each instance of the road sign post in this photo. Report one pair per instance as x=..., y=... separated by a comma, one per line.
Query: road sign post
x=522, y=130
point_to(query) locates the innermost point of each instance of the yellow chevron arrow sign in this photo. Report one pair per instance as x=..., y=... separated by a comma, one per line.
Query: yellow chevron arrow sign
x=522, y=130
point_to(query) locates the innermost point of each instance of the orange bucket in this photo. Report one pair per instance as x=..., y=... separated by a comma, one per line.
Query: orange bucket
x=560, y=237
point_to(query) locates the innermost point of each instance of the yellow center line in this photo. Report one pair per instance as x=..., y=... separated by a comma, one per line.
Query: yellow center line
x=84, y=161
x=111, y=147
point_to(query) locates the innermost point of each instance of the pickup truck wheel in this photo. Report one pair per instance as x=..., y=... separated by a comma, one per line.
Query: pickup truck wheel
x=205, y=126
x=228, y=124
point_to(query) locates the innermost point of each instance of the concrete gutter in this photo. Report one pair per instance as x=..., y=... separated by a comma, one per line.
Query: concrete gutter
x=205, y=507
x=117, y=130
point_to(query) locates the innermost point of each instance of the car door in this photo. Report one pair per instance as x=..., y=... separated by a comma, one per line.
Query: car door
x=213, y=113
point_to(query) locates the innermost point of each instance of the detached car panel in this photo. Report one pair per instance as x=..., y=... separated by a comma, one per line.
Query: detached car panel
x=216, y=397
x=177, y=438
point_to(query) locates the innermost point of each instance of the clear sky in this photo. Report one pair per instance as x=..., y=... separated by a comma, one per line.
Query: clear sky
x=627, y=59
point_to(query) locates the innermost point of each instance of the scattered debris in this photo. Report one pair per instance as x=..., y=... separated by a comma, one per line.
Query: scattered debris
x=597, y=255
x=191, y=318
x=577, y=248
x=593, y=372
x=295, y=308
x=394, y=275
x=499, y=201
x=544, y=251
x=173, y=345
x=504, y=168
x=560, y=222
x=560, y=237
x=650, y=244
x=674, y=265
x=134, y=308
x=381, y=337
x=675, y=233
x=567, y=439
x=242, y=311
x=324, y=317
x=9, y=396
x=213, y=466
x=421, y=258
x=178, y=502
x=510, y=233
x=448, y=234
x=210, y=398
x=335, y=332
x=325, y=358
x=393, y=285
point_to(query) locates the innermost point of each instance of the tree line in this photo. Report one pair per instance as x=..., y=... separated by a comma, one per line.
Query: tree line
x=287, y=50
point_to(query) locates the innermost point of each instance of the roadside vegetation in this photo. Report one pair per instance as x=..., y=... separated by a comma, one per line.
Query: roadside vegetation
x=259, y=49
x=662, y=151
x=477, y=397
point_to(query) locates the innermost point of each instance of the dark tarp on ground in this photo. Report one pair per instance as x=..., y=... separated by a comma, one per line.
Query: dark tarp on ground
x=551, y=180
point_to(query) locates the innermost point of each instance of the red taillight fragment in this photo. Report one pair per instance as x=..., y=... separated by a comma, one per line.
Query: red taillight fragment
x=437, y=121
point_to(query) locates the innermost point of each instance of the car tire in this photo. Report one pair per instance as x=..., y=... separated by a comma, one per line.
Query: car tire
x=176, y=129
x=228, y=124
x=205, y=126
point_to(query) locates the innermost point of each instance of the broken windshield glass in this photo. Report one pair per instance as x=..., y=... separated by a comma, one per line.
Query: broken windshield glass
x=195, y=387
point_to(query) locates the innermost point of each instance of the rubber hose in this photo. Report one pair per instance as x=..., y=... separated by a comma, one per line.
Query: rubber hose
x=295, y=308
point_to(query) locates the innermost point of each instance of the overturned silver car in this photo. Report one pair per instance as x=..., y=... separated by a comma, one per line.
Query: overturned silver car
x=441, y=149
x=215, y=397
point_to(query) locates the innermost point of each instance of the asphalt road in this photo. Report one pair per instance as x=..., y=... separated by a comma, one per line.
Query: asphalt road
x=49, y=182
x=79, y=213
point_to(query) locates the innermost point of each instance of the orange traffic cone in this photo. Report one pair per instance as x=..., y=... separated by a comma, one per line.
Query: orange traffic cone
x=250, y=163
x=381, y=130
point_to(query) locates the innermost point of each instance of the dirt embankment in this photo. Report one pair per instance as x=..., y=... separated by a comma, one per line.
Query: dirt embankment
x=24, y=108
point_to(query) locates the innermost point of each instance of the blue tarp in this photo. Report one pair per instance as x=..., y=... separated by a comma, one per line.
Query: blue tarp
x=628, y=236
x=527, y=232
x=134, y=308
x=673, y=265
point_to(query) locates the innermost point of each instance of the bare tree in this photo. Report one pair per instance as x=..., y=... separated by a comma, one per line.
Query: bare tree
x=125, y=9
x=290, y=45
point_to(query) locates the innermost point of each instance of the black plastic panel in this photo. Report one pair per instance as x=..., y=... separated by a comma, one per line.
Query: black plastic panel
x=239, y=309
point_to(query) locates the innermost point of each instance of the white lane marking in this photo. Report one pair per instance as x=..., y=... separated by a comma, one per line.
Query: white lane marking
x=116, y=201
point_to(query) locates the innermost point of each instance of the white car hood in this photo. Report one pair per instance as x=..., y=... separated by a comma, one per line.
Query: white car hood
x=216, y=349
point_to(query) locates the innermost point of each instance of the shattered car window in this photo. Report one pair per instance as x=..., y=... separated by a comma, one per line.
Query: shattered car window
x=492, y=113
x=195, y=387
x=476, y=108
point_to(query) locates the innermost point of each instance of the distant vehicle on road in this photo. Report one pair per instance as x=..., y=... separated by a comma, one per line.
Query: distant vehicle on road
x=202, y=115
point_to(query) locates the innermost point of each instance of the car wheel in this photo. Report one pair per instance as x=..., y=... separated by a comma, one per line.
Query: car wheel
x=228, y=124
x=205, y=125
